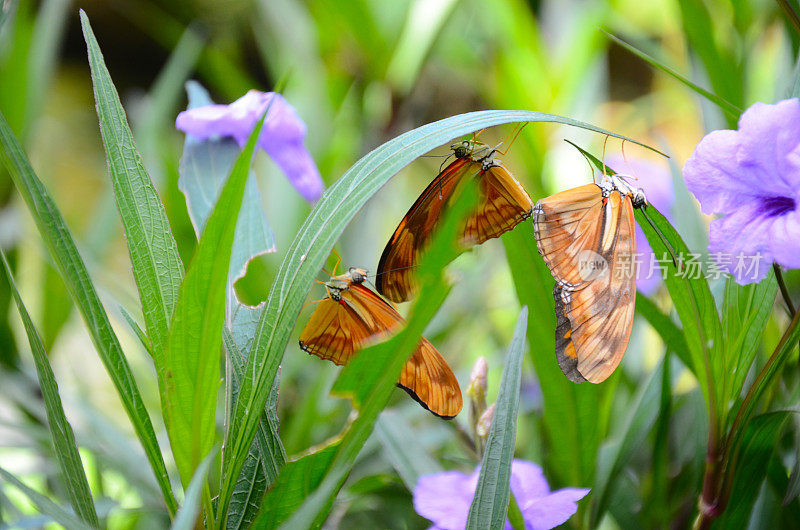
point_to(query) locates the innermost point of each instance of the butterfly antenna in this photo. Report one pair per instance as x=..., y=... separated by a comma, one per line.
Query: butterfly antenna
x=625, y=158
x=511, y=138
x=603, y=160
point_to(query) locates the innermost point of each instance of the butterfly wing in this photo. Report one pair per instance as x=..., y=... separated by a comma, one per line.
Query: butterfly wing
x=338, y=329
x=594, y=304
x=335, y=332
x=426, y=376
x=395, y=278
x=504, y=204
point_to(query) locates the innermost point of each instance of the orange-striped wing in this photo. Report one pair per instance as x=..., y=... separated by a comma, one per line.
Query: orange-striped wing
x=588, y=243
x=504, y=204
x=338, y=329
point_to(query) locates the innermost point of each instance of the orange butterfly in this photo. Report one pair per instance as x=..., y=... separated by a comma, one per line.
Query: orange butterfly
x=353, y=316
x=586, y=237
x=504, y=203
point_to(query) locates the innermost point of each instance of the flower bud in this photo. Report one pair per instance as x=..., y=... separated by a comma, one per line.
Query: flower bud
x=485, y=422
x=477, y=380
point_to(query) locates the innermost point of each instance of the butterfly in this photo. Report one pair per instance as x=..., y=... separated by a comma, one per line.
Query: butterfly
x=504, y=203
x=352, y=316
x=586, y=237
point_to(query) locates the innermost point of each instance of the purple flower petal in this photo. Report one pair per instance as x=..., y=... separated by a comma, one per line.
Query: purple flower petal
x=281, y=137
x=445, y=498
x=751, y=176
x=552, y=510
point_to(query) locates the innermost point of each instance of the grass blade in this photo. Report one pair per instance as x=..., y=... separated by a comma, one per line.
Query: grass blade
x=66, y=450
x=43, y=504
x=490, y=505
x=192, y=356
x=187, y=514
x=156, y=264
x=311, y=247
x=65, y=254
x=731, y=109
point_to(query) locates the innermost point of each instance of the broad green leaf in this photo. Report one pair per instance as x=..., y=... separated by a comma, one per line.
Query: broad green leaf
x=617, y=453
x=310, y=248
x=65, y=254
x=192, y=357
x=489, y=507
x=43, y=504
x=693, y=302
x=156, y=264
x=746, y=309
x=403, y=449
x=731, y=109
x=757, y=445
x=61, y=434
x=187, y=514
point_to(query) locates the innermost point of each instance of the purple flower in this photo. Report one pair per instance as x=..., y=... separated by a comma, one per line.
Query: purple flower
x=656, y=181
x=751, y=177
x=281, y=137
x=445, y=498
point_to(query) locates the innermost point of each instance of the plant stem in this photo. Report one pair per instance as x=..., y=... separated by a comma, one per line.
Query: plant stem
x=784, y=291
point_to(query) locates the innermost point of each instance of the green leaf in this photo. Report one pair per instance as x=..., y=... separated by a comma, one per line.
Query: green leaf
x=192, y=357
x=746, y=309
x=65, y=254
x=403, y=449
x=617, y=453
x=310, y=248
x=66, y=450
x=756, y=448
x=187, y=514
x=156, y=265
x=731, y=109
x=43, y=504
x=489, y=507
x=266, y=456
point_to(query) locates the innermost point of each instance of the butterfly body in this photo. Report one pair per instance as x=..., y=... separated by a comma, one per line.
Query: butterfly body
x=503, y=204
x=353, y=317
x=586, y=237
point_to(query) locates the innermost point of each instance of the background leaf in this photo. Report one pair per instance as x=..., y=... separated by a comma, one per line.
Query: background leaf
x=61, y=434
x=489, y=507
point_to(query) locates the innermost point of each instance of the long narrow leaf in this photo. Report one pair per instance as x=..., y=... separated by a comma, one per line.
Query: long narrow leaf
x=192, y=357
x=66, y=450
x=156, y=264
x=490, y=504
x=65, y=254
x=43, y=504
x=187, y=514
x=311, y=247
x=731, y=109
